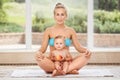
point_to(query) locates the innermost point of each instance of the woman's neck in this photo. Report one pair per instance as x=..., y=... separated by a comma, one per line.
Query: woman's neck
x=60, y=26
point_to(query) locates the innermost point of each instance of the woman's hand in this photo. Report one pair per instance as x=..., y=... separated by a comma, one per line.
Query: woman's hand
x=39, y=56
x=87, y=53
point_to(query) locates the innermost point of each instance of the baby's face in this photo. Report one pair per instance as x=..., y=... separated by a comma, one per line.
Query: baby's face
x=59, y=44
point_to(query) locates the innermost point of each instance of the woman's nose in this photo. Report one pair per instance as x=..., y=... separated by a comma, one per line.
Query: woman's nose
x=60, y=17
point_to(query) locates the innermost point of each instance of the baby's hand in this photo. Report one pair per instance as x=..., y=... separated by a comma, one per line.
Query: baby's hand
x=68, y=59
x=52, y=58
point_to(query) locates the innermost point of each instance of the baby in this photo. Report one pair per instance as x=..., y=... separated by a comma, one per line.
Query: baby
x=60, y=56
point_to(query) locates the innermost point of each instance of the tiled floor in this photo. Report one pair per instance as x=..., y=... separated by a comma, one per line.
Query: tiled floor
x=6, y=71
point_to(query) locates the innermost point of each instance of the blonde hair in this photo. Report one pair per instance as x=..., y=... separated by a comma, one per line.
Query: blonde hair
x=60, y=5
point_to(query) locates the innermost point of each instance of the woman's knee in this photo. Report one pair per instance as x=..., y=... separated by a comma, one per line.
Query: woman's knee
x=46, y=64
x=86, y=56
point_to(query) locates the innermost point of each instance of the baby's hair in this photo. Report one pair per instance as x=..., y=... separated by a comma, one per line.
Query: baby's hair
x=59, y=37
x=60, y=5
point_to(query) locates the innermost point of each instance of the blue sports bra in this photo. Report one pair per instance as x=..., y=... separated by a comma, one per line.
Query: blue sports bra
x=67, y=42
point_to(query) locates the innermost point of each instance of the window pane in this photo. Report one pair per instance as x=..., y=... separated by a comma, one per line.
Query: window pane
x=107, y=23
x=12, y=24
x=42, y=17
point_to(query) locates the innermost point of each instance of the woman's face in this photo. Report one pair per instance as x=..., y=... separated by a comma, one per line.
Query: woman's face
x=60, y=15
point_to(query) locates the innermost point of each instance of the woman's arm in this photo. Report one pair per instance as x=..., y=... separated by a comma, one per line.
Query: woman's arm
x=76, y=43
x=39, y=54
x=45, y=40
x=52, y=56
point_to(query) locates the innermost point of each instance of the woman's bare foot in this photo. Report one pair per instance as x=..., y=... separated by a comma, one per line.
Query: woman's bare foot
x=74, y=72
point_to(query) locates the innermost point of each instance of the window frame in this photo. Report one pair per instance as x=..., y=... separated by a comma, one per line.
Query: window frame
x=90, y=28
x=90, y=32
x=28, y=29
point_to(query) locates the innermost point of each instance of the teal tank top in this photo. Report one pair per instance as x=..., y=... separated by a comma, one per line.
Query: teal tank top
x=67, y=42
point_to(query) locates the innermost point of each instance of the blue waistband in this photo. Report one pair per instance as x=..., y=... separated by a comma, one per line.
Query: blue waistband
x=67, y=42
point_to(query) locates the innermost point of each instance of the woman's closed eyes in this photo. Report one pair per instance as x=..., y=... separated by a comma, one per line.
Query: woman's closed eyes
x=60, y=14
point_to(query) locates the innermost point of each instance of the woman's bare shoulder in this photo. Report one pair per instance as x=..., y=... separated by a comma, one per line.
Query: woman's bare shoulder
x=49, y=29
x=70, y=29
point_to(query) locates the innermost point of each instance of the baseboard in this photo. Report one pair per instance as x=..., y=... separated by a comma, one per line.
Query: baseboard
x=23, y=57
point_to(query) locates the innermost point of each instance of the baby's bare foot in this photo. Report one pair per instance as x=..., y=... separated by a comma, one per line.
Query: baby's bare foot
x=54, y=72
x=63, y=72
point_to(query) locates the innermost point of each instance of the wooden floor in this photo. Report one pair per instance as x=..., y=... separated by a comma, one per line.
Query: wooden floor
x=7, y=70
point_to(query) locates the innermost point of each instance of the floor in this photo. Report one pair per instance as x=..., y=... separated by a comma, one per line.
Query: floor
x=6, y=71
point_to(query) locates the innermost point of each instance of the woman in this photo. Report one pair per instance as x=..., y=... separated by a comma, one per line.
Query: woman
x=60, y=15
